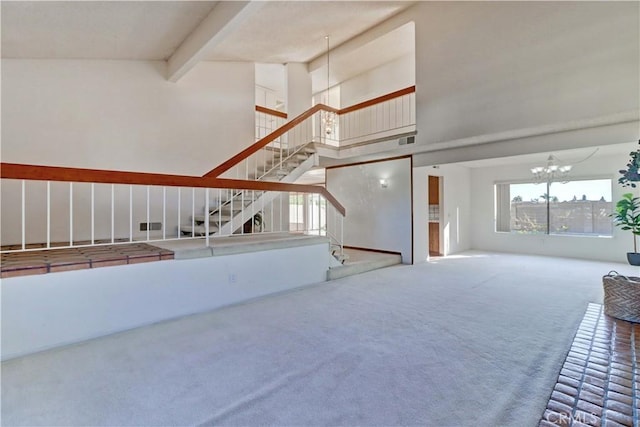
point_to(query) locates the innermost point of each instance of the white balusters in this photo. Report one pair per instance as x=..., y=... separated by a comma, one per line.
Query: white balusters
x=164, y=213
x=207, y=208
x=131, y=213
x=48, y=214
x=93, y=213
x=71, y=214
x=113, y=214
x=179, y=210
x=387, y=118
x=193, y=212
x=23, y=214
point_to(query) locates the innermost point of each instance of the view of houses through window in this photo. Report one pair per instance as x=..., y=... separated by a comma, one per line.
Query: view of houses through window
x=580, y=207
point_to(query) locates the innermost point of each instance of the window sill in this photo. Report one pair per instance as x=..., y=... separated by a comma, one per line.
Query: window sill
x=561, y=235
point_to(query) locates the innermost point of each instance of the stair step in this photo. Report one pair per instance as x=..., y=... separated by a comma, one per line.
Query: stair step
x=237, y=207
x=289, y=164
x=299, y=156
x=335, y=252
x=198, y=230
x=341, y=258
x=213, y=219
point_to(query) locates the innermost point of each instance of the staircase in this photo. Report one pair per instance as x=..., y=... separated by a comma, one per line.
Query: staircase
x=241, y=212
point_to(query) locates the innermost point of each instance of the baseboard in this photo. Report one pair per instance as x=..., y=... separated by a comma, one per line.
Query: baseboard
x=381, y=251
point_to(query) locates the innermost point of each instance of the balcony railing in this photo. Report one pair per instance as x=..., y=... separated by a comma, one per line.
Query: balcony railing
x=381, y=117
x=269, y=158
x=49, y=207
x=268, y=120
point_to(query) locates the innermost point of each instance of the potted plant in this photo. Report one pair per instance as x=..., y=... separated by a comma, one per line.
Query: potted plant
x=627, y=217
x=631, y=174
x=253, y=225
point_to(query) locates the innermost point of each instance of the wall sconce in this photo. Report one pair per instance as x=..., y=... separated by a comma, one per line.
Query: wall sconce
x=384, y=183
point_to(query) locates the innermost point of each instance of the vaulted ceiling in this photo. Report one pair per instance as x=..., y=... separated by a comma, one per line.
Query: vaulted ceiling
x=266, y=32
x=98, y=30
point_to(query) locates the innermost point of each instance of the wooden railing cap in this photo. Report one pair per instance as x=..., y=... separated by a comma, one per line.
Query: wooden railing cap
x=101, y=176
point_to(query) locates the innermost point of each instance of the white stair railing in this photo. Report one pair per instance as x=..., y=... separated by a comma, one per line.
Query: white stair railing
x=52, y=214
x=280, y=154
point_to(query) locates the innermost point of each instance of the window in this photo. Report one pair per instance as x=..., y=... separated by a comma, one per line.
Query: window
x=580, y=207
x=308, y=213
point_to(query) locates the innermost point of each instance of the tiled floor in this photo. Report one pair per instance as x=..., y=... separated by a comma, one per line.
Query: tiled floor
x=53, y=260
x=599, y=382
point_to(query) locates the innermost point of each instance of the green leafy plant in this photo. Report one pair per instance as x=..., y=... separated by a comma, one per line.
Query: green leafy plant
x=631, y=174
x=627, y=216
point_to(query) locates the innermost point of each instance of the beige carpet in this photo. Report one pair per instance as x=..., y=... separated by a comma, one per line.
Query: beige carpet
x=472, y=340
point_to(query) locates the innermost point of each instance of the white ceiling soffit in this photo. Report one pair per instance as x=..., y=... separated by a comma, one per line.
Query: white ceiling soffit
x=294, y=31
x=137, y=30
x=312, y=177
x=565, y=156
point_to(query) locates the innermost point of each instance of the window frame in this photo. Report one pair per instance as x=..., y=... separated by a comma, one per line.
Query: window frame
x=545, y=185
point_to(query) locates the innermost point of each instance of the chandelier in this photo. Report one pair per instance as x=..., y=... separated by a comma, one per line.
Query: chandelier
x=551, y=172
x=327, y=117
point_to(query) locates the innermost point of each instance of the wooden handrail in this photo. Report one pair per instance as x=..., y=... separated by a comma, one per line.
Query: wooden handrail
x=261, y=109
x=378, y=100
x=258, y=145
x=264, y=141
x=101, y=176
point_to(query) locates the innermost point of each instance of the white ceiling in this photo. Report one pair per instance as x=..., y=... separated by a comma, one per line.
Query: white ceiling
x=392, y=45
x=279, y=32
x=137, y=30
x=294, y=31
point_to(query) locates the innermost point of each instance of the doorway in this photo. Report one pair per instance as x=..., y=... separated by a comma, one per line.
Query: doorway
x=434, y=215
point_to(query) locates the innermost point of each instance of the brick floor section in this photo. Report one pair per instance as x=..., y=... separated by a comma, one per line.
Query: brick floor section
x=599, y=382
x=17, y=264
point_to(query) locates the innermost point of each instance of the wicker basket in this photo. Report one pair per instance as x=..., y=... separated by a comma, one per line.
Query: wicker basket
x=622, y=296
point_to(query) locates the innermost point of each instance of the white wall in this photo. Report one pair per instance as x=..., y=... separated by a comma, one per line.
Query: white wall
x=487, y=67
x=271, y=86
x=298, y=89
x=125, y=115
x=389, y=77
x=484, y=236
x=49, y=310
x=119, y=115
x=276, y=214
x=455, y=210
x=376, y=218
